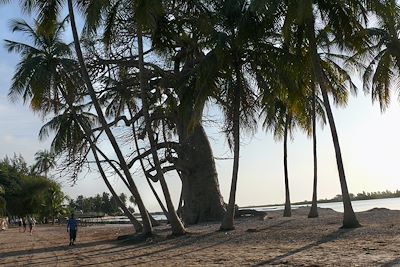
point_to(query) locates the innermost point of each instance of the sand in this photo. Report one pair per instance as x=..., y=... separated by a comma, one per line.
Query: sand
x=274, y=240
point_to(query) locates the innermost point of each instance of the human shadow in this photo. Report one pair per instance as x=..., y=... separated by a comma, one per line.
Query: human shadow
x=118, y=246
x=72, y=253
x=329, y=238
x=29, y=252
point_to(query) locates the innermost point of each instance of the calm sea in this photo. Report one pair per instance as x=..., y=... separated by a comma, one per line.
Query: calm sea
x=358, y=205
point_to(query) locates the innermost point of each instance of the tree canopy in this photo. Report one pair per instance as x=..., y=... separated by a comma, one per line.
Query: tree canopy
x=24, y=193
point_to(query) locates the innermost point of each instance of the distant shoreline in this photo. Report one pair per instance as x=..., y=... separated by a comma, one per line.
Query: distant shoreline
x=319, y=201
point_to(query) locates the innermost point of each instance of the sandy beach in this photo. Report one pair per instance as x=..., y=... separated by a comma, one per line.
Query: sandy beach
x=274, y=240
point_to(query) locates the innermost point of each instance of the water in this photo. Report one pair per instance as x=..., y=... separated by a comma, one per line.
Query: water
x=358, y=205
x=121, y=219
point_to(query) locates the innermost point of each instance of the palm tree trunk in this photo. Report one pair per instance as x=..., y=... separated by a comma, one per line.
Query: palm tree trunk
x=144, y=171
x=136, y=224
x=180, y=204
x=287, y=211
x=147, y=227
x=349, y=217
x=314, y=208
x=152, y=220
x=175, y=221
x=228, y=219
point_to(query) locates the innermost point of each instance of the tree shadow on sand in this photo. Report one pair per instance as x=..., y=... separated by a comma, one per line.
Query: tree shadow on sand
x=393, y=263
x=329, y=238
x=72, y=255
x=186, y=241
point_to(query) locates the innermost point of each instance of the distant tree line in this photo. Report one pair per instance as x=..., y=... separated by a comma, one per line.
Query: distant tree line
x=103, y=204
x=23, y=191
x=360, y=196
x=370, y=195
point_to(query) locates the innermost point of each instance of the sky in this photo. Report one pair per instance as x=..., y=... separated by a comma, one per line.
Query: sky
x=369, y=141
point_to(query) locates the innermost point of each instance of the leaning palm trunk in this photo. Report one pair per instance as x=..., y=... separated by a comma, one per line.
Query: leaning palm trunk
x=147, y=227
x=175, y=221
x=287, y=211
x=153, y=221
x=144, y=171
x=314, y=208
x=349, y=217
x=228, y=219
x=136, y=224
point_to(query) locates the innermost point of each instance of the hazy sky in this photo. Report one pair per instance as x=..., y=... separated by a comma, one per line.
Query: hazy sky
x=369, y=140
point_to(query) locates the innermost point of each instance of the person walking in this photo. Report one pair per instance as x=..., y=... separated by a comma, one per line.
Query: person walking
x=24, y=224
x=19, y=221
x=32, y=223
x=72, y=228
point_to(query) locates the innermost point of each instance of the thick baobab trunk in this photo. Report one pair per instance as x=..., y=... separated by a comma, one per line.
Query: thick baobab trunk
x=202, y=200
x=287, y=212
x=147, y=227
x=314, y=208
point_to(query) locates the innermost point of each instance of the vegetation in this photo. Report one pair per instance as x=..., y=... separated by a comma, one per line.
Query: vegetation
x=358, y=196
x=102, y=204
x=142, y=71
x=25, y=193
x=45, y=161
x=369, y=195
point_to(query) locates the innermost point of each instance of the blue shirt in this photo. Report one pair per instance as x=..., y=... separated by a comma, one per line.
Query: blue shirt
x=72, y=224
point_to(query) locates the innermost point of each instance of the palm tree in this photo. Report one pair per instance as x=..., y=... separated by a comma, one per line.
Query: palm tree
x=287, y=212
x=147, y=227
x=314, y=110
x=33, y=75
x=279, y=120
x=314, y=208
x=228, y=72
x=283, y=99
x=202, y=198
x=146, y=14
x=45, y=161
x=176, y=223
x=344, y=28
x=49, y=60
x=284, y=109
x=380, y=58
